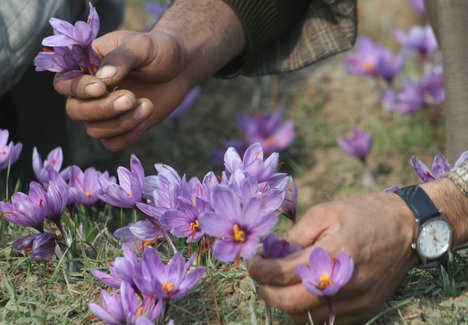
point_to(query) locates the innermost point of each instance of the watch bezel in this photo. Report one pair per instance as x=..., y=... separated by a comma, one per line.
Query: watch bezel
x=424, y=257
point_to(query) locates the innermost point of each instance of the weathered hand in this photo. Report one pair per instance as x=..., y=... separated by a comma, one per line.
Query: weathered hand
x=376, y=230
x=144, y=76
x=140, y=81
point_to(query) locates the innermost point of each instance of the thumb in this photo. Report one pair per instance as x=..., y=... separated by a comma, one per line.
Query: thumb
x=121, y=53
x=147, y=58
x=311, y=226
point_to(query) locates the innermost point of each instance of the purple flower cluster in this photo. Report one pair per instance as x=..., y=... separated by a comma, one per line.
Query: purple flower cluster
x=47, y=200
x=413, y=94
x=146, y=285
x=237, y=210
x=269, y=130
x=69, y=52
x=374, y=60
x=440, y=167
x=416, y=96
x=9, y=153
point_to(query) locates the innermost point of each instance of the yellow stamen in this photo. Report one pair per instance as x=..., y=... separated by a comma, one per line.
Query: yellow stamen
x=147, y=243
x=140, y=311
x=168, y=287
x=239, y=235
x=89, y=195
x=369, y=67
x=325, y=281
x=194, y=202
x=271, y=141
x=195, y=225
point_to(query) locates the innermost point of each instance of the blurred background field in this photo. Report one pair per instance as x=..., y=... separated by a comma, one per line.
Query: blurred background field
x=324, y=102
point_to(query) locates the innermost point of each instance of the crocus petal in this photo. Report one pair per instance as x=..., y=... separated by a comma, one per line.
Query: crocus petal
x=331, y=289
x=312, y=288
x=103, y=314
x=320, y=262
x=422, y=170
x=232, y=160
x=226, y=250
x=225, y=202
x=151, y=211
x=262, y=224
x=345, y=265
x=107, y=279
x=462, y=159
x=214, y=224
x=190, y=280
x=440, y=166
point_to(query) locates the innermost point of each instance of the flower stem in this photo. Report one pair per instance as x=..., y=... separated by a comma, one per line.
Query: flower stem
x=331, y=315
x=169, y=241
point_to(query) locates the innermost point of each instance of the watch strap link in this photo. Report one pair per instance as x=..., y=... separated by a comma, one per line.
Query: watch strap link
x=419, y=202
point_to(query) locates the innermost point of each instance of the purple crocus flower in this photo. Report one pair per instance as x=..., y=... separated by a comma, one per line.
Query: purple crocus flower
x=289, y=205
x=69, y=50
x=275, y=247
x=440, y=167
x=125, y=308
x=409, y=101
x=432, y=85
x=268, y=130
x=115, y=308
x=237, y=228
x=26, y=210
x=84, y=186
x=56, y=196
x=123, y=269
x=9, y=153
x=252, y=163
x=374, y=60
x=69, y=62
x=66, y=34
x=129, y=192
x=247, y=187
x=46, y=170
x=418, y=5
x=167, y=281
x=325, y=275
x=359, y=145
x=183, y=222
x=138, y=235
x=186, y=104
x=419, y=39
x=41, y=246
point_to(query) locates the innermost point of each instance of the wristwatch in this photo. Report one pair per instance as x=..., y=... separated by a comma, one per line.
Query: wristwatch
x=434, y=236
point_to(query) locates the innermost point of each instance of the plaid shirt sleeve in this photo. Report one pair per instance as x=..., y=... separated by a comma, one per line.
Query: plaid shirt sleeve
x=280, y=41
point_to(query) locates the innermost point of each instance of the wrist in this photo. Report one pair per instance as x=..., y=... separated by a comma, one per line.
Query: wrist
x=208, y=33
x=446, y=196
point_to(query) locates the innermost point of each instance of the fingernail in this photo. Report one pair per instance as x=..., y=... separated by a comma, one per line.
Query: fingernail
x=94, y=90
x=141, y=112
x=123, y=103
x=107, y=71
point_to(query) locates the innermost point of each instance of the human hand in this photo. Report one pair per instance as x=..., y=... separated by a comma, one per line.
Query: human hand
x=139, y=83
x=144, y=76
x=376, y=230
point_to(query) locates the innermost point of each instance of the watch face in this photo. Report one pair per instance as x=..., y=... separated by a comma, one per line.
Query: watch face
x=434, y=239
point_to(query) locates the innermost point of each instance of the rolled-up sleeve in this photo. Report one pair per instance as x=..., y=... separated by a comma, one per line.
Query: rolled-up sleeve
x=286, y=35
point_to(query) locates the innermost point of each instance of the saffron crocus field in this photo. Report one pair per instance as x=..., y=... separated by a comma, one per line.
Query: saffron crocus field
x=202, y=191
